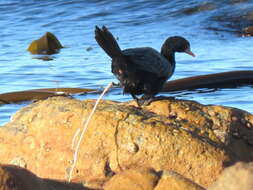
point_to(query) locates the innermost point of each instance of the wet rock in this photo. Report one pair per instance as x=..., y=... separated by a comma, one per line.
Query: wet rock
x=48, y=44
x=236, y=177
x=197, y=144
x=248, y=31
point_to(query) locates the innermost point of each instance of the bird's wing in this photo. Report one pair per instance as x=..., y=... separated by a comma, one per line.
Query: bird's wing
x=148, y=59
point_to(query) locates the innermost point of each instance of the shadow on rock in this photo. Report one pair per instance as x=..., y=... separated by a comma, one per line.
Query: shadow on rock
x=14, y=177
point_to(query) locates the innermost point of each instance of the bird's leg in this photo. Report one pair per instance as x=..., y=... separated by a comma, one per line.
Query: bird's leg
x=136, y=99
x=116, y=84
x=146, y=99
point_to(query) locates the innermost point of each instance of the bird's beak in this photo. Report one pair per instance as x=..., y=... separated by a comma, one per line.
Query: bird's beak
x=188, y=51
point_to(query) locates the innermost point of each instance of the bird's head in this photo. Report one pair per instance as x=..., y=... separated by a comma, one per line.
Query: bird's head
x=177, y=44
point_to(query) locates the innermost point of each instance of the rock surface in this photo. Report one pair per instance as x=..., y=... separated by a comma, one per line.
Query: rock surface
x=172, y=181
x=191, y=139
x=137, y=179
x=226, y=127
x=17, y=178
x=148, y=179
x=237, y=177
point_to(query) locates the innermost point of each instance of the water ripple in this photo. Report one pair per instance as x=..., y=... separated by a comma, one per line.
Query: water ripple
x=209, y=25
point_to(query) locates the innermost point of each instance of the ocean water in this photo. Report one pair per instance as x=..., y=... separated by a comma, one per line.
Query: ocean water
x=212, y=27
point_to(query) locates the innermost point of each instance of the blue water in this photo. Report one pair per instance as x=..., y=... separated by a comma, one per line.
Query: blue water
x=213, y=29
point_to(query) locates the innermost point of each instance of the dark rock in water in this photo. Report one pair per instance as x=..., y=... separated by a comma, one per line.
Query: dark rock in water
x=249, y=16
x=231, y=16
x=89, y=48
x=248, y=31
x=199, y=8
x=47, y=44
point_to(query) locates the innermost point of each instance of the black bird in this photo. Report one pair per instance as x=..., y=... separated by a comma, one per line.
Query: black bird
x=142, y=70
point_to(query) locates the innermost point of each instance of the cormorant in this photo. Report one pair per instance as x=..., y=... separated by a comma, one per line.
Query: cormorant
x=142, y=70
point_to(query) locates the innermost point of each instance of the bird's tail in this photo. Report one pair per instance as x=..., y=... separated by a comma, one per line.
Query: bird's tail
x=106, y=41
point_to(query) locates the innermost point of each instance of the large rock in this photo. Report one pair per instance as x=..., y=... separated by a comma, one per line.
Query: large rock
x=237, y=177
x=173, y=181
x=148, y=179
x=137, y=179
x=193, y=140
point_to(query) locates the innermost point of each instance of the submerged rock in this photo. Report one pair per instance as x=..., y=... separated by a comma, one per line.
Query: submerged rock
x=248, y=31
x=191, y=139
x=48, y=44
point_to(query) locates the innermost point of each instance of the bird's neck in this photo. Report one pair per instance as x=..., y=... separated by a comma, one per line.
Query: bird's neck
x=170, y=56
